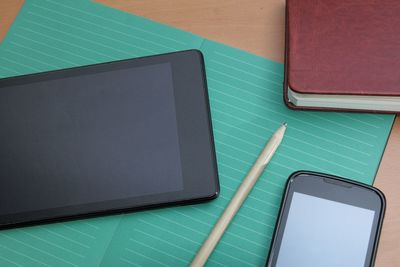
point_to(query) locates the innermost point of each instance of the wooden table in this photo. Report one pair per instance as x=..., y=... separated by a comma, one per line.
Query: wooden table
x=256, y=26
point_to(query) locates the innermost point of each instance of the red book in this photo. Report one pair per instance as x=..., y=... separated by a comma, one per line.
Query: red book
x=343, y=55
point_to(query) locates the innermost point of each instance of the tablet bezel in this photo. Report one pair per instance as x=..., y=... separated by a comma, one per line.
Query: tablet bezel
x=198, y=159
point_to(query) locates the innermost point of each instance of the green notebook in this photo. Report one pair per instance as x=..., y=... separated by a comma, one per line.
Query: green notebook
x=247, y=107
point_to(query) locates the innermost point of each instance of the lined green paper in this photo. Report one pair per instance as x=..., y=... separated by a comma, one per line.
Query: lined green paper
x=246, y=103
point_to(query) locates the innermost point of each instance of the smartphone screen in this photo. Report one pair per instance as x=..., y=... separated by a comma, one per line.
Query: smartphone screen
x=326, y=222
x=331, y=232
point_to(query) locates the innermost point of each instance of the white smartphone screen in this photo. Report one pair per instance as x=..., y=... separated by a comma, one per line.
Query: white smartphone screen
x=322, y=232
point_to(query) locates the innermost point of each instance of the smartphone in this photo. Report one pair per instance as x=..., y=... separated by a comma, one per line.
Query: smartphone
x=327, y=221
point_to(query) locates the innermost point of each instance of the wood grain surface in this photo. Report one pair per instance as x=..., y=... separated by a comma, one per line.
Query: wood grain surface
x=388, y=181
x=256, y=26
x=8, y=11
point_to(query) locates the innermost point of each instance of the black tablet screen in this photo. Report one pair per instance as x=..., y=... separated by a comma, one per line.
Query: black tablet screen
x=88, y=138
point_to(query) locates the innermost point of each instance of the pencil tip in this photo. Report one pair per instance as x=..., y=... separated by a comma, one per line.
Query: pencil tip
x=284, y=124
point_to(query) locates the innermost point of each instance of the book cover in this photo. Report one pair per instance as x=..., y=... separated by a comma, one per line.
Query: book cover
x=342, y=47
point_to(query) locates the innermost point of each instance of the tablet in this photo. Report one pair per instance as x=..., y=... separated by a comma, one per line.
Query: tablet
x=105, y=138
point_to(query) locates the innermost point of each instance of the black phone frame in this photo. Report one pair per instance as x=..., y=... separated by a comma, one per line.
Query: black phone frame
x=341, y=183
